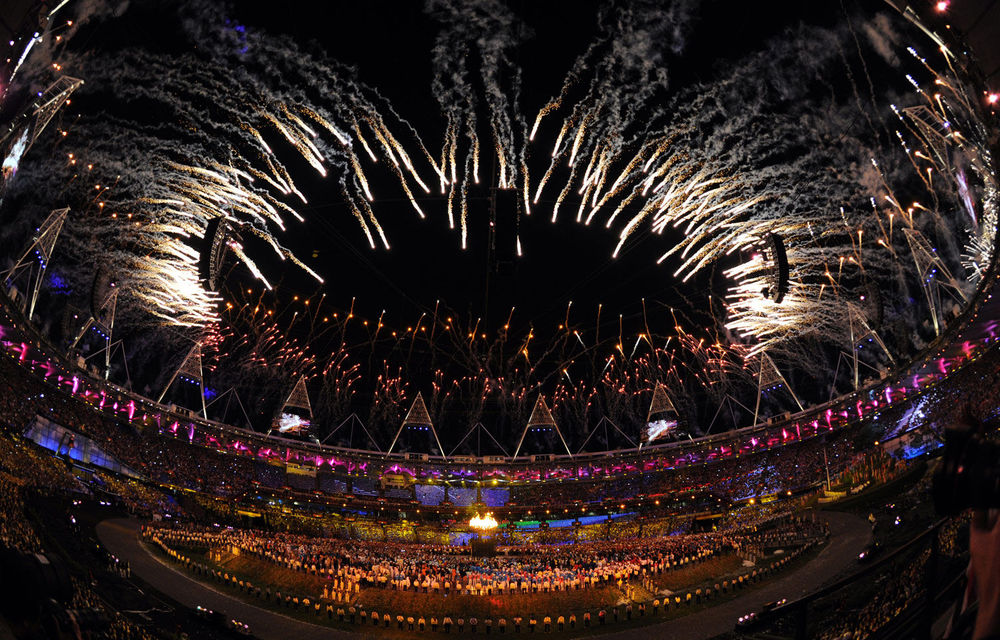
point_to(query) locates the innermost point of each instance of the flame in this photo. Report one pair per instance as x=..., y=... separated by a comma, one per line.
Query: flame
x=484, y=523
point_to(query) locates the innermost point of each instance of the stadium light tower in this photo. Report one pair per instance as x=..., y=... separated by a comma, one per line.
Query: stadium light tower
x=769, y=377
x=541, y=418
x=190, y=371
x=103, y=305
x=42, y=244
x=23, y=131
x=418, y=418
x=932, y=272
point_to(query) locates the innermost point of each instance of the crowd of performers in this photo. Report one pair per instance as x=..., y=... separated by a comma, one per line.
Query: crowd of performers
x=528, y=569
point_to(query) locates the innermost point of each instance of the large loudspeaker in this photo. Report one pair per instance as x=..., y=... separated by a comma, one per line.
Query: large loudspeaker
x=776, y=248
x=217, y=235
x=874, y=306
x=99, y=290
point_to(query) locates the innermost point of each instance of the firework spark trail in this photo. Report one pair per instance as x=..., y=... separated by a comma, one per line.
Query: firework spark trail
x=721, y=211
x=714, y=170
x=947, y=134
x=327, y=93
x=725, y=180
x=213, y=157
x=626, y=73
x=486, y=31
x=260, y=339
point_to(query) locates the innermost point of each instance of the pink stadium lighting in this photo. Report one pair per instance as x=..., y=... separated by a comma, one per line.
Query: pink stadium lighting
x=942, y=6
x=993, y=98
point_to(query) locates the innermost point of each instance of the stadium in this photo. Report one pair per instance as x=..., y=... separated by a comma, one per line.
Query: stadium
x=217, y=426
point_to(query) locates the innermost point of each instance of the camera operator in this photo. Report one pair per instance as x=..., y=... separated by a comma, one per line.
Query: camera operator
x=984, y=573
x=969, y=477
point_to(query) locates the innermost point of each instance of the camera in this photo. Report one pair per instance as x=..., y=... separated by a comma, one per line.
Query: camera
x=969, y=476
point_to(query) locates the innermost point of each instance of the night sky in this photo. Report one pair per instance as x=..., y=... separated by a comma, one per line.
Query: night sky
x=756, y=69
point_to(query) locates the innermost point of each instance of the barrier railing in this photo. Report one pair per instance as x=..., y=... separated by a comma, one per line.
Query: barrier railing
x=897, y=596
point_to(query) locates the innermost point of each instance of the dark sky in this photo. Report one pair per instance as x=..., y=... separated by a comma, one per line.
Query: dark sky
x=389, y=44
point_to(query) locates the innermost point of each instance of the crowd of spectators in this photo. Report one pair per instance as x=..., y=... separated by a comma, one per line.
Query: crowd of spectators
x=165, y=460
x=775, y=471
x=162, y=453
x=25, y=470
x=164, y=457
x=871, y=467
x=15, y=532
x=901, y=587
x=138, y=497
